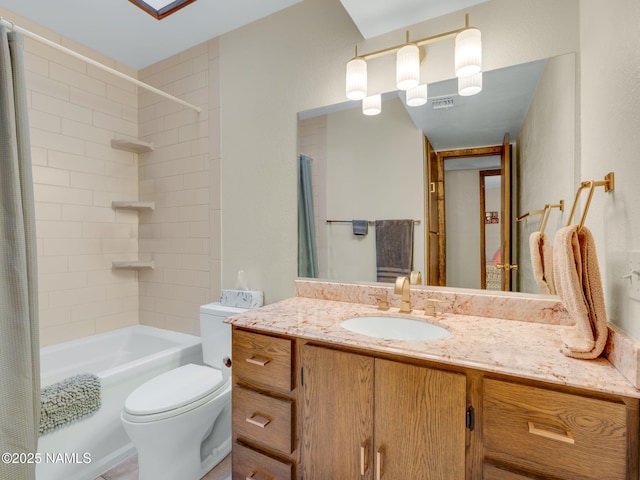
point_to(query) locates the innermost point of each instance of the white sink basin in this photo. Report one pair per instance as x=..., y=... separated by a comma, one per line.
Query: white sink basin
x=394, y=328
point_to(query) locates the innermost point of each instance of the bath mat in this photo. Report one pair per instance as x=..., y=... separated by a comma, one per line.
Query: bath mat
x=69, y=400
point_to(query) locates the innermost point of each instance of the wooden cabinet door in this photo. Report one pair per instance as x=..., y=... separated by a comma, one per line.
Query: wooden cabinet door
x=338, y=414
x=419, y=422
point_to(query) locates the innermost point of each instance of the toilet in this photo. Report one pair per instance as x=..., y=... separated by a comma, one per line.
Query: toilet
x=180, y=421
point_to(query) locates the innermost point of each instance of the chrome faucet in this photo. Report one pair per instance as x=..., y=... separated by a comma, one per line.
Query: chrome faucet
x=402, y=287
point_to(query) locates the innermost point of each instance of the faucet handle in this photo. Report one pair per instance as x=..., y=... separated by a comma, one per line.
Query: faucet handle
x=383, y=303
x=430, y=309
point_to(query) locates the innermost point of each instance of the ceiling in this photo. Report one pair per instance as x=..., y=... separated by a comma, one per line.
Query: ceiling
x=122, y=31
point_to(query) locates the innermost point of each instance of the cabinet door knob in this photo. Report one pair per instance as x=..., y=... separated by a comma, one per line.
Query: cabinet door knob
x=256, y=360
x=258, y=420
x=551, y=433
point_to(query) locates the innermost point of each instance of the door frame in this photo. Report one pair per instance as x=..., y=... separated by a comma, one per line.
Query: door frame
x=435, y=177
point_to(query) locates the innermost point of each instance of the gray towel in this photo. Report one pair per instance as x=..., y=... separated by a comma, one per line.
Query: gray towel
x=69, y=400
x=394, y=249
x=360, y=227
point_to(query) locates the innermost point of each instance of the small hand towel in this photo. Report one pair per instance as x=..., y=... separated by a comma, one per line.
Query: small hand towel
x=577, y=279
x=542, y=262
x=360, y=227
x=394, y=249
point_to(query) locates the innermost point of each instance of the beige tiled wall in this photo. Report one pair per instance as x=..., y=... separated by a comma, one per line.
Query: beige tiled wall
x=75, y=110
x=182, y=176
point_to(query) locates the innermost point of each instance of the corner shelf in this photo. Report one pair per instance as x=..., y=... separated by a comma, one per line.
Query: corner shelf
x=133, y=204
x=132, y=145
x=133, y=264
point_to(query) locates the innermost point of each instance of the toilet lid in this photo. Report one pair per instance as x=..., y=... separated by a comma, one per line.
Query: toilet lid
x=173, y=389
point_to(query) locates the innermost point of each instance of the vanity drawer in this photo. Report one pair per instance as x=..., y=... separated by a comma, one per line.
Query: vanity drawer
x=493, y=472
x=556, y=434
x=249, y=464
x=262, y=361
x=263, y=419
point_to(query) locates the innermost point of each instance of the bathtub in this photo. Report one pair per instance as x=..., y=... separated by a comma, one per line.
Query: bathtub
x=123, y=359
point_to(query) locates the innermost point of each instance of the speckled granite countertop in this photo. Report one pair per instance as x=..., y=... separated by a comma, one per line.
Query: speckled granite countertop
x=524, y=349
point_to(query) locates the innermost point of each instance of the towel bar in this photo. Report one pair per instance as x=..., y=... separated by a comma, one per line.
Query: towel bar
x=607, y=183
x=371, y=222
x=548, y=206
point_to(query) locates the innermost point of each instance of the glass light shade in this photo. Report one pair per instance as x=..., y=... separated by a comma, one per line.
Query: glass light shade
x=356, y=79
x=417, y=96
x=471, y=85
x=408, y=67
x=468, y=52
x=372, y=105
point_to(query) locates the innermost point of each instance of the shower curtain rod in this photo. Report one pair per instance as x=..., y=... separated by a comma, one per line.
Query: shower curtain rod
x=12, y=26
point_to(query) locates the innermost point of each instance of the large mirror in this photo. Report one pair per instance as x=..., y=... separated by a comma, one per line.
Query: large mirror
x=386, y=167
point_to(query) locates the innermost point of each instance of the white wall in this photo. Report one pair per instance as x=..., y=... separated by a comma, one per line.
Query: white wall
x=547, y=157
x=462, y=214
x=610, y=141
x=375, y=171
x=266, y=83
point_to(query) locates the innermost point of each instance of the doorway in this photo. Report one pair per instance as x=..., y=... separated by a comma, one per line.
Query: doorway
x=458, y=246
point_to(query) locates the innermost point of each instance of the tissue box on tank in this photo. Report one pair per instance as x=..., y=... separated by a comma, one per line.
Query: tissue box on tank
x=242, y=298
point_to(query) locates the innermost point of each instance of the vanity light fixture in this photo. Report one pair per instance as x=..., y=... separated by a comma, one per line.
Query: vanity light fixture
x=356, y=78
x=468, y=52
x=467, y=59
x=417, y=96
x=161, y=8
x=372, y=105
x=408, y=66
x=470, y=85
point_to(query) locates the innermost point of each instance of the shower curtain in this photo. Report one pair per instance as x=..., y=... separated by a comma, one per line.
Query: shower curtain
x=19, y=345
x=307, y=250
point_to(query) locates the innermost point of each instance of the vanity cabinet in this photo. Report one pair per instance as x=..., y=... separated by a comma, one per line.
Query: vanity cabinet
x=531, y=432
x=307, y=410
x=263, y=405
x=371, y=418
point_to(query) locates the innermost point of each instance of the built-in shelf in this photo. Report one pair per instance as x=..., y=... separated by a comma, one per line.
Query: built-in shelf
x=135, y=204
x=133, y=264
x=132, y=145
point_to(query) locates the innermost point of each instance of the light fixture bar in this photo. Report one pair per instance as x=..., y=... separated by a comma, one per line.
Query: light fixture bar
x=419, y=43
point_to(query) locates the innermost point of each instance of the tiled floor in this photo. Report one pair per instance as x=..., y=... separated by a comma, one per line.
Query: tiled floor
x=128, y=470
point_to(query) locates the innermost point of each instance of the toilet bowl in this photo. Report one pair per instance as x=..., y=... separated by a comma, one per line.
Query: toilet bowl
x=180, y=421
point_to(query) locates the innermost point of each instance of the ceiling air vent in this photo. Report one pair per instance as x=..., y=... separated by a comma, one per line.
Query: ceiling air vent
x=443, y=102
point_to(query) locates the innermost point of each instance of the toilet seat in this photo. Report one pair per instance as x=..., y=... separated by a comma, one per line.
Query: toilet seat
x=173, y=393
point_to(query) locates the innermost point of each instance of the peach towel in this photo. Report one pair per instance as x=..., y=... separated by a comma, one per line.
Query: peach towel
x=577, y=279
x=542, y=262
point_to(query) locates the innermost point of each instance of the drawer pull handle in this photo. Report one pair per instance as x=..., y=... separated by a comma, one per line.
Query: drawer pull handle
x=260, y=361
x=258, y=420
x=259, y=476
x=565, y=437
x=379, y=471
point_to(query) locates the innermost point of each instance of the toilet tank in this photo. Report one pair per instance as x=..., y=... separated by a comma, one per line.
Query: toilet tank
x=216, y=335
